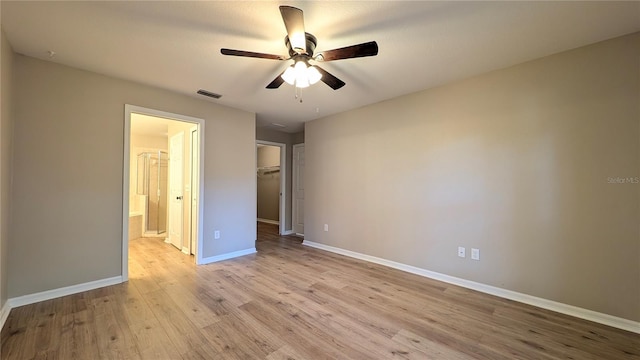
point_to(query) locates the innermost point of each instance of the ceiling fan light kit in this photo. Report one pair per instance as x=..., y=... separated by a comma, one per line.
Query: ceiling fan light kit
x=301, y=74
x=301, y=46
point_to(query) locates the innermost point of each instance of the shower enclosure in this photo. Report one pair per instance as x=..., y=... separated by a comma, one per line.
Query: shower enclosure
x=152, y=183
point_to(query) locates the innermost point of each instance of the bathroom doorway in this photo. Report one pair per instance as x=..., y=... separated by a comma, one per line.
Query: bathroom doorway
x=152, y=199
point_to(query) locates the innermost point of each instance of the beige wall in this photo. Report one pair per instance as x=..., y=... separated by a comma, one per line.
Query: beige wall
x=68, y=160
x=515, y=162
x=6, y=128
x=268, y=156
x=289, y=140
x=268, y=183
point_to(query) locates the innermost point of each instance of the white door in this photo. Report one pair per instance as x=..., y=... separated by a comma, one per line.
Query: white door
x=195, y=166
x=176, y=173
x=298, y=189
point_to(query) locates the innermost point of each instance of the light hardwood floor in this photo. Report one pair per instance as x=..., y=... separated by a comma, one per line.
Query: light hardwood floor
x=293, y=302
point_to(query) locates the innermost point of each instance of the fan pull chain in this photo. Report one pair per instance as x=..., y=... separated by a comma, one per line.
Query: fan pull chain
x=298, y=93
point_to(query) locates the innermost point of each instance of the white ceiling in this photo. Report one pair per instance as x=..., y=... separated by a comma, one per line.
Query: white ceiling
x=149, y=125
x=176, y=45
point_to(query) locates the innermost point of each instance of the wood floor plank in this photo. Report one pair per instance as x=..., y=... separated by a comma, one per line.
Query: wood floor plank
x=113, y=333
x=231, y=339
x=141, y=278
x=293, y=332
x=290, y=301
x=192, y=306
x=204, y=352
x=298, y=305
x=183, y=334
x=286, y=352
x=47, y=330
x=428, y=349
x=425, y=325
x=150, y=338
x=84, y=335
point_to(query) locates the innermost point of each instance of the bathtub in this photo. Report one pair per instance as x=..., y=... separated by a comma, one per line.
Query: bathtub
x=135, y=225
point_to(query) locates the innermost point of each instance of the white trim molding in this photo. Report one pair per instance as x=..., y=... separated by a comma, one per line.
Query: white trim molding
x=294, y=180
x=228, y=256
x=4, y=313
x=610, y=320
x=52, y=294
x=68, y=290
x=267, y=221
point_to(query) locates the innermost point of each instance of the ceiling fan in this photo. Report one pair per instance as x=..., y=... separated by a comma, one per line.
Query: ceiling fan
x=301, y=46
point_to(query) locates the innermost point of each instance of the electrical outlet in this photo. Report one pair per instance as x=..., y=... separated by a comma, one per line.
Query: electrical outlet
x=475, y=254
x=461, y=251
x=326, y=227
x=216, y=234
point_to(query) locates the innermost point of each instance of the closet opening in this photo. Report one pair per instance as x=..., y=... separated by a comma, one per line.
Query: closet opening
x=271, y=175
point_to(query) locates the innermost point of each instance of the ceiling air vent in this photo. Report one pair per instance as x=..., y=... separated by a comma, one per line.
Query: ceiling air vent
x=209, y=94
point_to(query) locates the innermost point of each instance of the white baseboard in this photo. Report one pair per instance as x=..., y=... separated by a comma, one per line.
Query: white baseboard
x=185, y=250
x=228, y=256
x=267, y=221
x=4, y=313
x=56, y=293
x=610, y=320
x=287, y=232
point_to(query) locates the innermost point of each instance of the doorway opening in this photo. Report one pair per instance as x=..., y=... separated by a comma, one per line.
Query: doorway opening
x=271, y=175
x=162, y=180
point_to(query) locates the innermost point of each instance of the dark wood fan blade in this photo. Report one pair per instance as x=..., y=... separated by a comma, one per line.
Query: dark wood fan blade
x=349, y=52
x=329, y=79
x=251, y=54
x=294, y=22
x=276, y=82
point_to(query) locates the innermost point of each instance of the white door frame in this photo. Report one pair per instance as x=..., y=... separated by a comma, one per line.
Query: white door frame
x=194, y=195
x=283, y=178
x=128, y=110
x=176, y=175
x=294, y=179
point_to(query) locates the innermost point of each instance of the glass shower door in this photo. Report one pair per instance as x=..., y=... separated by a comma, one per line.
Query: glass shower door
x=152, y=182
x=163, y=191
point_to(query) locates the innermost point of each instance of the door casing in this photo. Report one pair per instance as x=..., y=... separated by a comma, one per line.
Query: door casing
x=297, y=192
x=128, y=110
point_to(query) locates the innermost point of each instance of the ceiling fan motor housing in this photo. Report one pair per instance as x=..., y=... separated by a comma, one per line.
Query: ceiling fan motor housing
x=311, y=43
